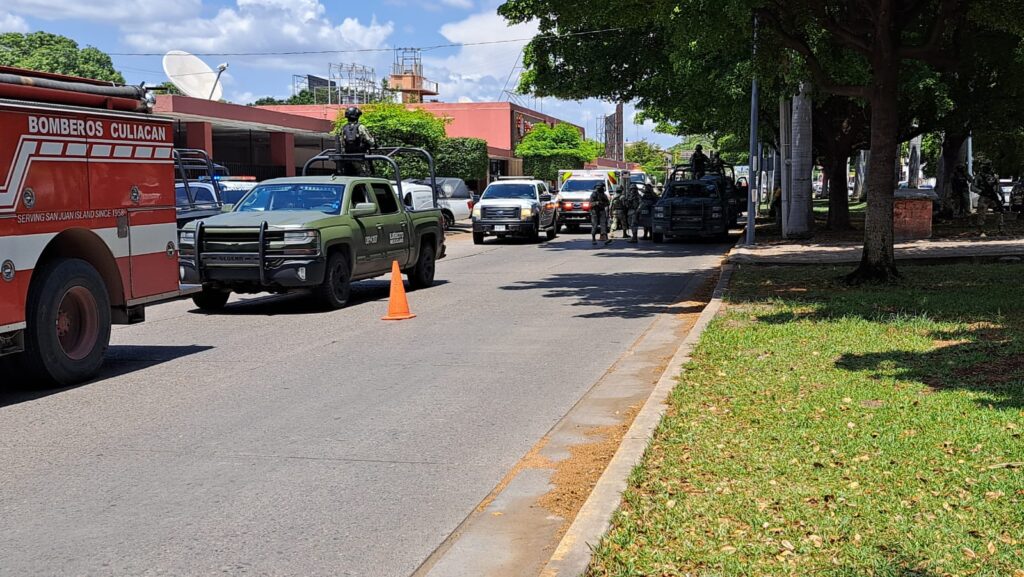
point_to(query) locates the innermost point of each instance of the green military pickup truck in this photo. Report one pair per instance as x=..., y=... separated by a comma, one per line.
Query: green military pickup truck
x=310, y=232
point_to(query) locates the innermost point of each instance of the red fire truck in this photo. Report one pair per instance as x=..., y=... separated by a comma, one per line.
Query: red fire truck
x=87, y=221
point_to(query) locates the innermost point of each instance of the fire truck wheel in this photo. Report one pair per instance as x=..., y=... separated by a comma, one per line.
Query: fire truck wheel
x=211, y=299
x=333, y=292
x=68, y=323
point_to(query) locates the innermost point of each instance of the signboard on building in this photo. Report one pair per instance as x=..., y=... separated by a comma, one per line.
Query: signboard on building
x=523, y=123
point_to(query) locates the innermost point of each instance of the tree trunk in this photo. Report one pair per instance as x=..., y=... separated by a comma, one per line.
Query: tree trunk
x=914, y=165
x=860, y=183
x=950, y=156
x=878, y=263
x=839, y=193
x=801, y=205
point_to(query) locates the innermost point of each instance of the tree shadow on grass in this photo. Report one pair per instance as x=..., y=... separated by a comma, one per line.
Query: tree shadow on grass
x=985, y=355
x=983, y=360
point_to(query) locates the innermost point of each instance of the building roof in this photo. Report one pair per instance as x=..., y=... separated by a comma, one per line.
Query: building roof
x=235, y=116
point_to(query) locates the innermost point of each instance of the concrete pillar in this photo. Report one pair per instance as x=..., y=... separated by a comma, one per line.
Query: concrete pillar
x=282, y=151
x=199, y=135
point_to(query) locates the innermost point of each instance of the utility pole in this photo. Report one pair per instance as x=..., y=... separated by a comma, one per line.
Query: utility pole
x=754, y=170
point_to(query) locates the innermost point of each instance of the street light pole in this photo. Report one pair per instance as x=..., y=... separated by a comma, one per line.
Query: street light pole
x=753, y=175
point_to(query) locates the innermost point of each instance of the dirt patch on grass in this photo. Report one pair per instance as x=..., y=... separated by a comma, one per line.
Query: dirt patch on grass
x=574, y=478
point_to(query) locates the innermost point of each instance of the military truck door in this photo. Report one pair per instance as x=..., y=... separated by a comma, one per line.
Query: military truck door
x=370, y=244
x=396, y=234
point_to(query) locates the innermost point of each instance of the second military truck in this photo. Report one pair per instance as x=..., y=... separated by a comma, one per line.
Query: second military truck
x=318, y=233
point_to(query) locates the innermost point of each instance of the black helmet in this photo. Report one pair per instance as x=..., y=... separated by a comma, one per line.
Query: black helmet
x=699, y=148
x=353, y=113
x=600, y=186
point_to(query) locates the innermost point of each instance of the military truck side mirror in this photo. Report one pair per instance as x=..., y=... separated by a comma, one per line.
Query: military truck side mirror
x=363, y=209
x=546, y=197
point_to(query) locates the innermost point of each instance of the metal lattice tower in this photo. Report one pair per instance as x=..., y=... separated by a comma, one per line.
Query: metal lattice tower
x=407, y=76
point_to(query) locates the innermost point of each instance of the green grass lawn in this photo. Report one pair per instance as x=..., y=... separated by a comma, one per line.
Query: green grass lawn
x=828, y=430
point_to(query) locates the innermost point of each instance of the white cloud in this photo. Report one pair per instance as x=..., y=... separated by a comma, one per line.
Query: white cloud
x=266, y=26
x=465, y=4
x=126, y=11
x=12, y=23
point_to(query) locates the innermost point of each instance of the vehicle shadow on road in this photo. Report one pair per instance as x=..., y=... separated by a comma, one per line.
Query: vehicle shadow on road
x=120, y=360
x=619, y=248
x=296, y=304
x=619, y=295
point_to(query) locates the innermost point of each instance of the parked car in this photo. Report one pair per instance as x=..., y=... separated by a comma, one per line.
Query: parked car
x=233, y=188
x=515, y=207
x=197, y=194
x=453, y=198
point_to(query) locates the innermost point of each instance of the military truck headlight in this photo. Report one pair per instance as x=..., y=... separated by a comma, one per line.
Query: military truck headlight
x=299, y=243
x=526, y=213
x=186, y=238
x=300, y=238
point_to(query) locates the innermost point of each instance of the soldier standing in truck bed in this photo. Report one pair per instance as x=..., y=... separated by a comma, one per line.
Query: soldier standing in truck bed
x=356, y=139
x=699, y=162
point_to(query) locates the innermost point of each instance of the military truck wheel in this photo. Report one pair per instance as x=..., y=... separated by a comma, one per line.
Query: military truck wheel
x=422, y=276
x=659, y=237
x=449, y=219
x=211, y=299
x=334, y=291
x=478, y=238
x=68, y=328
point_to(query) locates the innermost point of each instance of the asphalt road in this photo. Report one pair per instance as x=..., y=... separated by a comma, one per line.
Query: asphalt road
x=274, y=439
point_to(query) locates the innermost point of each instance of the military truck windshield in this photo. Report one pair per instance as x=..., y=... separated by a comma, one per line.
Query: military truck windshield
x=580, y=184
x=325, y=198
x=509, y=191
x=638, y=178
x=691, y=190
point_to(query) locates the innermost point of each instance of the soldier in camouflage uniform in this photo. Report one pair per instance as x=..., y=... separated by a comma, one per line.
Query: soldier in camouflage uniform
x=699, y=162
x=649, y=199
x=988, y=189
x=632, y=203
x=961, y=185
x=356, y=139
x=715, y=165
x=619, y=215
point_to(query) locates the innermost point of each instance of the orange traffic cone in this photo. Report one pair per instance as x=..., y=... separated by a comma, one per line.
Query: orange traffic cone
x=398, y=305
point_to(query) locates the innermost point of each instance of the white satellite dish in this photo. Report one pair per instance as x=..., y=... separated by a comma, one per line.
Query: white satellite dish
x=192, y=76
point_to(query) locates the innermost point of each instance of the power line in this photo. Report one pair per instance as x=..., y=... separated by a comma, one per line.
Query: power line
x=365, y=50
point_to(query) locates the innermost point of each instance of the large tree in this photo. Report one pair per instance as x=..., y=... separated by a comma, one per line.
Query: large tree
x=546, y=150
x=860, y=49
x=57, y=54
x=647, y=155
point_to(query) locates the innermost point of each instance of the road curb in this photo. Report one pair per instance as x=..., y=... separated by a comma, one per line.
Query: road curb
x=572, y=555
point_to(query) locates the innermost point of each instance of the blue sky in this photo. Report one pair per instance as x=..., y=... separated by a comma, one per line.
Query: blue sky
x=476, y=73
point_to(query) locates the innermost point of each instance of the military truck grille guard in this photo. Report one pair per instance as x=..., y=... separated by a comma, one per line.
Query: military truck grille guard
x=500, y=213
x=685, y=214
x=243, y=247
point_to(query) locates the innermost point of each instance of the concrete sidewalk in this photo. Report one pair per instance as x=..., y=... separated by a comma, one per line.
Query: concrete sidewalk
x=850, y=252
